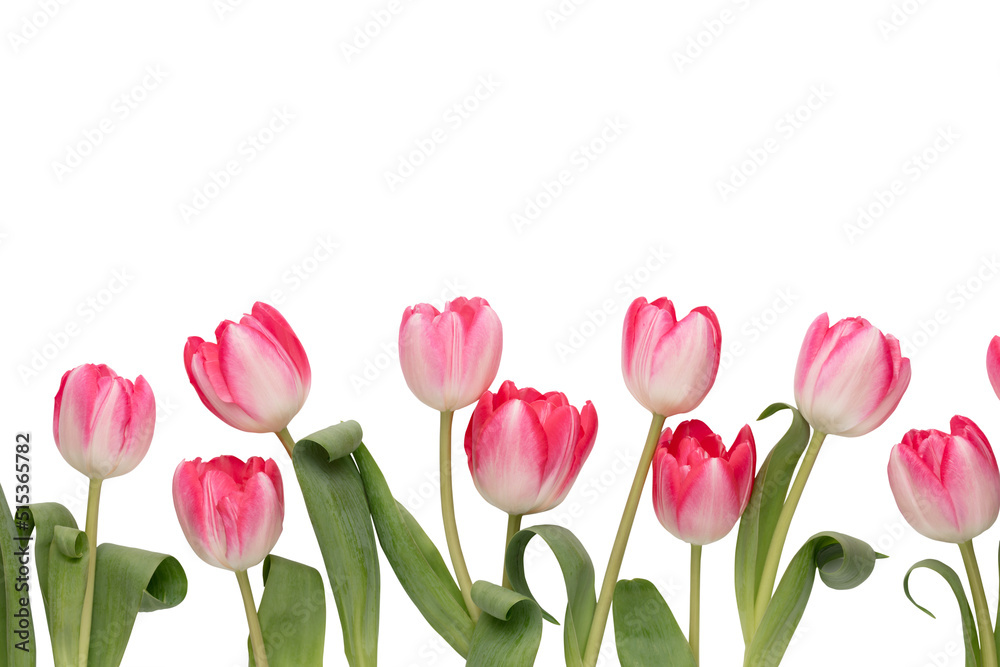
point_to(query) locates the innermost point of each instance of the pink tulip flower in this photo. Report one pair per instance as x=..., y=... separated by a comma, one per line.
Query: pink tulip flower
x=850, y=377
x=699, y=489
x=450, y=358
x=256, y=377
x=103, y=423
x=526, y=448
x=230, y=511
x=993, y=364
x=669, y=365
x=946, y=486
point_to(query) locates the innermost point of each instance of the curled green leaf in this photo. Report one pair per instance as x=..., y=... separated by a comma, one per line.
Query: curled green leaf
x=509, y=631
x=578, y=575
x=842, y=562
x=129, y=581
x=973, y=656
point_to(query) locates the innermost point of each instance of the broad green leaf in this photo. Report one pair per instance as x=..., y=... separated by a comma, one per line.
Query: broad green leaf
x=761, y=515
x=17, y=643
x=61, y=557
x=128, y=581
x=431, y=555
x=646, y=632
x=843, y=562
x=292, y=614
x=338, y=509
x=415, y=560
x=578, y=574
x=972, y=649
x=508, y=632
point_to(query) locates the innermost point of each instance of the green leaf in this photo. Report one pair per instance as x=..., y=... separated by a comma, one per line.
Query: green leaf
x=61, y=557
x=292, y=614
x=761, y=515
x=578, y=574
x=20, y=631
x=431, y=555
x=508, y=632
x=646, y=632
x=126, y=582
x=972, y=650
x=843, y=562
x=417, y=563
x=338, y=509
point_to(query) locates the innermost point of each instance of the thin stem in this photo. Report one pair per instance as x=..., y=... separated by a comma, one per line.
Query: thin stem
x=603, y=607
x=86, y=619
x=770, y=571
x=695, y=599
x=286, y=440
x=448, y=514
x=989, y=648
x=256, y=636
x=513, y=525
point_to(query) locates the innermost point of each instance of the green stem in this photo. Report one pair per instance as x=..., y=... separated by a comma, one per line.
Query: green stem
x=603, y=607
x=513, y=525
x=86, y=619
x=989, y=649
x=256, y=636
x=695, y=599
x=286, y=440
x=448, y=514
x=770, y=571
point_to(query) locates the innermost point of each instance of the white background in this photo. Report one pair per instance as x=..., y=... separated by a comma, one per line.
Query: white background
x=885, y=81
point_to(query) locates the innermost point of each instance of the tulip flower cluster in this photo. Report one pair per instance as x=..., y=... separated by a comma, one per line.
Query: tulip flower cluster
x=525, y=449
x=255, y=378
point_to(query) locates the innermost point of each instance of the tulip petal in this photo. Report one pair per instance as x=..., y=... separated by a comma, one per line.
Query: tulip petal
x=684, y=363
x=975, y=484
x=273, y=321
x=259, y=378
x=742, y=459
x=809, y=364
x=993, y=364
x=645, y=325
x=510, y=457
x=109, y=420
x=891, y=399
x=202, y=367
x=562, y=430
x=709, y=506
x=922, y=499
x=666, y=486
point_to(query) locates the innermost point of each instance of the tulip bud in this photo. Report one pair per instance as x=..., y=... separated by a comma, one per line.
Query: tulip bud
x=103, y=423
x=230, y=511
x=450, y=358
x=256, y=377
x=993, y=364
x=850, y=377
x=946, y=486
x=669, y=365
x=526, y=448
x=699, y=489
